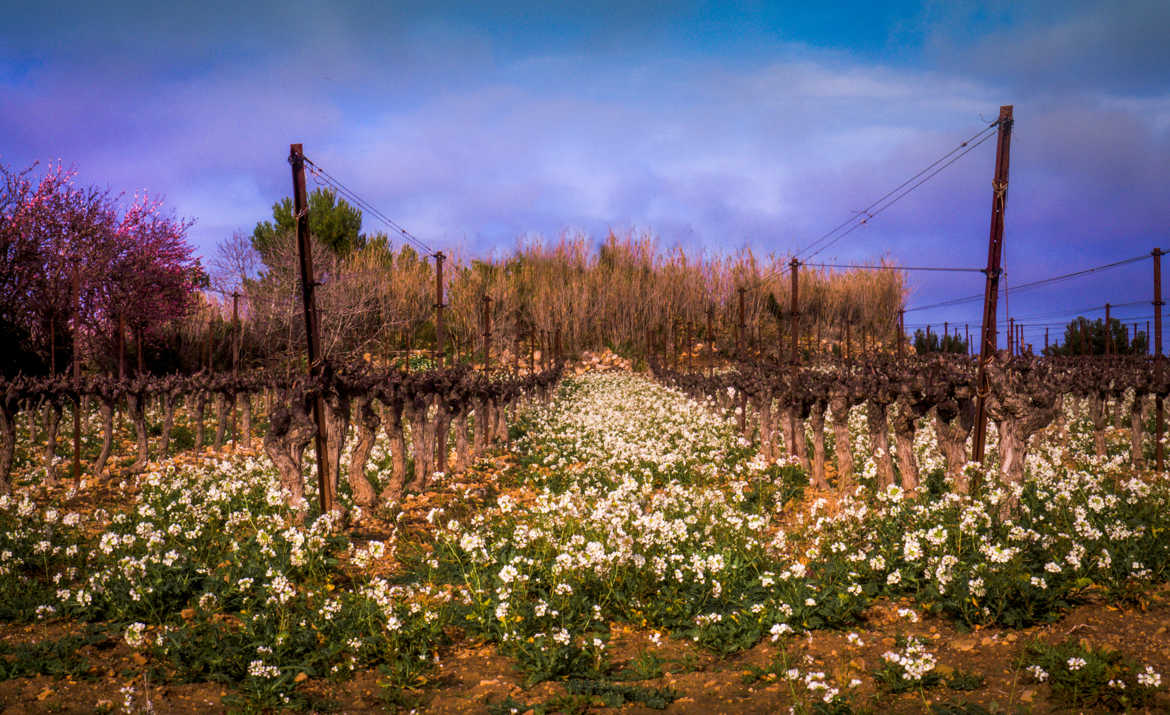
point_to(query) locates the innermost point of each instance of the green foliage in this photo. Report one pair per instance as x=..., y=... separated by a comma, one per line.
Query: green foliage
x=959, y=709
x=216, y=585
x=332, y=221
x=614, y=695
x=1090, y=337
x=931, y=343
x=56, y=657
x=1085, y=676
x=645, y=666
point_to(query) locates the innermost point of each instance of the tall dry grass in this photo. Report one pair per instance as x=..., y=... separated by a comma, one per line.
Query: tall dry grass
x=626, y=292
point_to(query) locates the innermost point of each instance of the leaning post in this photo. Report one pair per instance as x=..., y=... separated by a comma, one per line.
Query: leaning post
x=988, y=341
x=312, y=322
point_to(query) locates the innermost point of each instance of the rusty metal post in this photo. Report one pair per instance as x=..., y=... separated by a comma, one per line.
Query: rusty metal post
x=1159, y=407
x=439, y=347
x=988, y=345
x=1011, y=336
x=967, y=332
x=312, y=322
x=1046, y=340
x=794, y=266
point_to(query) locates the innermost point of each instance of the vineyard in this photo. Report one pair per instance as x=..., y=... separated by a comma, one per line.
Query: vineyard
x=569, y=480
x=752, y=536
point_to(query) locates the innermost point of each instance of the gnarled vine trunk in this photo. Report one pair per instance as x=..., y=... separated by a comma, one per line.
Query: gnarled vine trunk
x=442, y=432
x=7, y=447
x=200, y=408
x=289, y=431
x=137, y=409
x=220, y=419
x=337, y=416
x=904, y=424
x=788, y=428
x=1099, y=416
x=168, y=405
x=368, y=423
x=415, y=413
x=392, y=424
x=816, y=421
x=246, y=429
x=49, y=457
x=763, y=406
x=1137, y=417
x=952, y=424
x=106, y=409
x=801, y=441
x=875, y=417
x=462, y=443
x=841, y=443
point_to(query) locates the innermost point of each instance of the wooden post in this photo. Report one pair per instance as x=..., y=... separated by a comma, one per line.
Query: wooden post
x=710, y=340
x=794, y=266
x=487, y=333
x=967, y=333
x=901, y=336
x=1046, y=339
x=121, y=347
x=139, y=336
x=1159, y=407
x=312, y=322
x=76, y=375
x=439, y=347
x=1011, y=336
x=235, y=333
x=988, y=345
x=739, y=328
x=235, y=363
x=1108, y=329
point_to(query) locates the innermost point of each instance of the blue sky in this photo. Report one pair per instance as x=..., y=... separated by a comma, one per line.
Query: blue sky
x=713, y=125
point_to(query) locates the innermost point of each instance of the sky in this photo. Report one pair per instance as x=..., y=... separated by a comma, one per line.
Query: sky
x=713, y=126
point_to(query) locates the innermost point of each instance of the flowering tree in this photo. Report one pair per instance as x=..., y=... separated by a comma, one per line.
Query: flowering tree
x=71, y=257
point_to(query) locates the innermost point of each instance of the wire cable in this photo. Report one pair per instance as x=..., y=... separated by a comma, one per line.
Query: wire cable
x=325, y=177
x=902, y=195
x=1044, y=282
x=893, y=268
x=863, y=216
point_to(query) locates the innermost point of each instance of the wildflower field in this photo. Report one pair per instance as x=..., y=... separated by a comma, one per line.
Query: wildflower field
x=629, y=549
